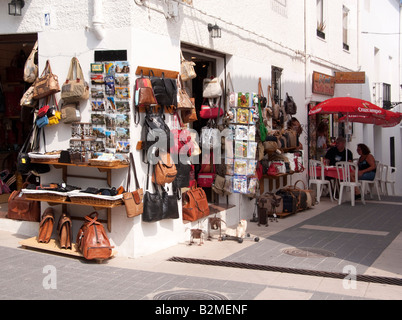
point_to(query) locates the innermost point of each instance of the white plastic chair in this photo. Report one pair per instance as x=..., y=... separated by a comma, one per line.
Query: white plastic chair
x=383, y=180
x=391, y=179
x=376, y=182
x=319, y=181
x=345, y=172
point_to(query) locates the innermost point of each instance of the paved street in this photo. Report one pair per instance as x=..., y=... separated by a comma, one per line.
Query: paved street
x=365, y=238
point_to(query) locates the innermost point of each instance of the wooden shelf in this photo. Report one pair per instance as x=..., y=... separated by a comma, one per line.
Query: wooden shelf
x=108, y=179
x=157, y=72
x=53, y=246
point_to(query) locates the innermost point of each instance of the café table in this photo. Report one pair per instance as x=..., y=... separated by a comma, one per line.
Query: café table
x=331, y=172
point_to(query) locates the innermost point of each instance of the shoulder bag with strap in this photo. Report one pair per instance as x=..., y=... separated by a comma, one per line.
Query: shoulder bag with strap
x=133, y=200
x=47, y=84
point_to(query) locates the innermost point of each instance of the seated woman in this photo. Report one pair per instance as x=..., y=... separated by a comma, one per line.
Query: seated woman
x=366, y=164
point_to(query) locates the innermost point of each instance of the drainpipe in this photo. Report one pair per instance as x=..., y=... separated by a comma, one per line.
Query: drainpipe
x=98, y=22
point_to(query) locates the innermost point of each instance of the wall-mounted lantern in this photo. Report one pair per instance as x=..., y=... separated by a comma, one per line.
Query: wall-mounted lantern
x=215, y=31
x=15, y=6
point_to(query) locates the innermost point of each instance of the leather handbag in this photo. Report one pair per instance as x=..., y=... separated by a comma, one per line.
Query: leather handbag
x=75, y=88
x=64, y=231
x=70, y=112
x=30, y=68
x=187, y=71
x=153, y=208
x=133, y=200
x=144, y=96
x=165, y=170
x=195, y=204
x=92, y=240
x=211, y=110
x=290, y=105
x=27, y=99
x=19, y=208
x=53, y=114
x=46, y=84
x=46, y=226
x=170, y=208
x=184, y=101
x=211, y=88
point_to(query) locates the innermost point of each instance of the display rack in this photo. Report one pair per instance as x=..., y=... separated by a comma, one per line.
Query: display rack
x=66, y=175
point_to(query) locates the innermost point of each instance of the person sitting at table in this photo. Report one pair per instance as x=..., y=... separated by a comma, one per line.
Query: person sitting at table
x=366, y=164
x=338, y=153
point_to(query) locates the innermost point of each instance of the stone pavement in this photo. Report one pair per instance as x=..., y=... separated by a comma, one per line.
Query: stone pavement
x=366, y=238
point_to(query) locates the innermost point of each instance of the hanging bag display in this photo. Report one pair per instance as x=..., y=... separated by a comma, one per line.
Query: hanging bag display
x=187, y=71
x=133, y=200
x=158, y=85
x=30, y=68
x=75, y=88
x=47, y=84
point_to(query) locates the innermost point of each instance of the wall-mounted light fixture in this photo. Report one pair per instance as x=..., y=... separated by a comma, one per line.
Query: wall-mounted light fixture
x=15, y=6
x=215, y=31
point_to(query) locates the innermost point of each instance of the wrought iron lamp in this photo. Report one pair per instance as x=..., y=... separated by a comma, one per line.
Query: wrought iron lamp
x=215, y=31
x=15, y=6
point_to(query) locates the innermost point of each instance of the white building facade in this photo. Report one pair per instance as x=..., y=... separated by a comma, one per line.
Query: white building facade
x=259, y=39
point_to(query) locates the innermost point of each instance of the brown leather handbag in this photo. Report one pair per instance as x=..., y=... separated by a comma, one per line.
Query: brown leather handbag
x=165, y=170
x=195, y=204
x=64, y=231
x=19, y=208
x=47, y=84
x=46, y=226
x=92, y=240
x=133, y=200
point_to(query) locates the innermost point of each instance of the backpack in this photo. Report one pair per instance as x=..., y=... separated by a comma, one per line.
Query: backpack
x=92, y=240
x=152, y=132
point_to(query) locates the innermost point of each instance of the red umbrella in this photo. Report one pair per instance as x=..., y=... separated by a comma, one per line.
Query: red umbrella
x=391, y=119
x=349, y=106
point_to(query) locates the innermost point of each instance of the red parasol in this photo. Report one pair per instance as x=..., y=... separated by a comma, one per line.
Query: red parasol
x=391, y=119
x=349, y=106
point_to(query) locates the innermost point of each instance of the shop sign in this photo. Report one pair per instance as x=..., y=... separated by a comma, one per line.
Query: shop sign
x=323, y=84
x=350, y=77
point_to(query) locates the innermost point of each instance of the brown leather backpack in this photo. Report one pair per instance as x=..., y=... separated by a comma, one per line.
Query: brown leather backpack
x=92, y=240
x=165, y=170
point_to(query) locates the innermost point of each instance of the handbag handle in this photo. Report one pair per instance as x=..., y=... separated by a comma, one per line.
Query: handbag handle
x=75, y=65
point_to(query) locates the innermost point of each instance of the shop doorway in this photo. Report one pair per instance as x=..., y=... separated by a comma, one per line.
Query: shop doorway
x=15, y=122
x=208, y=64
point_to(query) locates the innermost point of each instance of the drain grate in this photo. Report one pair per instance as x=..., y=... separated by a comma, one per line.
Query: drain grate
x=308, y=252
x=189, y=295
x=316, y=273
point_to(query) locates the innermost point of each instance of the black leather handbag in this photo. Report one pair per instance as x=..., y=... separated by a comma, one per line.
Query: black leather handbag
x=169, y=204
x=153, y=203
